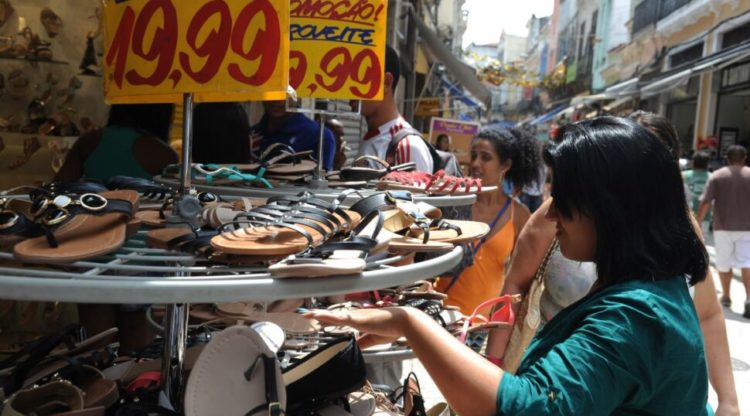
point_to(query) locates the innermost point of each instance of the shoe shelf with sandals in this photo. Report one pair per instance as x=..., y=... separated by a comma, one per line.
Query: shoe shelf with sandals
x=90, y=240
x=232, y=367
x=239, y=358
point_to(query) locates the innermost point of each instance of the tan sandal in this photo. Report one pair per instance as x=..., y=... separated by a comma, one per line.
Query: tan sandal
x=79, y=228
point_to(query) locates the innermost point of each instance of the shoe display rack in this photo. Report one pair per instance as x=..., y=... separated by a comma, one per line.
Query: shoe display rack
x=139, y=274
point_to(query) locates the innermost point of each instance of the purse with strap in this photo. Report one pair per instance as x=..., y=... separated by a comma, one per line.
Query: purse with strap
x=528, y=317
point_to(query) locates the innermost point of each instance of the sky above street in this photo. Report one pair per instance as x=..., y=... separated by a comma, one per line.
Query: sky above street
x=488, y=18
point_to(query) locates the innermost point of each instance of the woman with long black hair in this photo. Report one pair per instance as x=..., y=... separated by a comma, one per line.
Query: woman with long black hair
x=632, y=345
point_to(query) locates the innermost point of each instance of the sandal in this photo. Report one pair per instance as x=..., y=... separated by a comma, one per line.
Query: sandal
x=79, y=227
x=59, y=397
x=216, y=175
x=239, y=373
x=30, y=146
x=433, y=184
x=310, y=379
x=281, y=160
x=51, y=22
x=366, y=173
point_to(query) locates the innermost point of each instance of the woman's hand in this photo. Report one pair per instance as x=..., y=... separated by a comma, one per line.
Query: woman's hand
x=381, y=325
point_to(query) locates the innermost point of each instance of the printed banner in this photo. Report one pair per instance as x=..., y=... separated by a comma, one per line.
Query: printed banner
x=460, y=134
x=337, y=48
x=220, y=50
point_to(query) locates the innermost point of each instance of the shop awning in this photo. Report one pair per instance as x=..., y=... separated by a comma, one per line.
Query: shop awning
x=463, y=74
x=588, y=99
x=458, y=93
x=548, y=116
x=666, y=83
x=623, y=88
x=680, y=75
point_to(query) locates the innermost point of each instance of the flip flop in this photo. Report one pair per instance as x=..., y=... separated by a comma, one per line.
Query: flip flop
x=80, y=228
x=215, y=175
x=273, y=161
x=238, y=374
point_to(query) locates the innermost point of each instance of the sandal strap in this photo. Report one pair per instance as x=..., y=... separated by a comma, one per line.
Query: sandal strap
x=22, y=226
x=306, y=198
x=325, y=217
x=379, y=201
x=271, y=220
x=442, y=224
x=113, y=206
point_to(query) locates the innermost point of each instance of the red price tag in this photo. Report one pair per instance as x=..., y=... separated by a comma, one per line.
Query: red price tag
x=337, y=48
x=221, y=50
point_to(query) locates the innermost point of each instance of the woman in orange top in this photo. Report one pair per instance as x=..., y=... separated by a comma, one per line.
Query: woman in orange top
x=495, y=155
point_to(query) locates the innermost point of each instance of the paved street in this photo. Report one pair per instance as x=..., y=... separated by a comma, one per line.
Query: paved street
x=738, y=331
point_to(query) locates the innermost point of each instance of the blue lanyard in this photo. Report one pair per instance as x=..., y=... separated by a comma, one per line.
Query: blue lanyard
x=493, y=224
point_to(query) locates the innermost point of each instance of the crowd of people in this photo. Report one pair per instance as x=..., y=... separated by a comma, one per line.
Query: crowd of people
x=630, y=319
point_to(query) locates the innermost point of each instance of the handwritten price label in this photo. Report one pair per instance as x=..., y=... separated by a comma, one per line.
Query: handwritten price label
x=337, y=48
x=221, y=50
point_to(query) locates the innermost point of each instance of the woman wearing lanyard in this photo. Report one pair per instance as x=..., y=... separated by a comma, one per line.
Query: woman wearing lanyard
x=495, y=155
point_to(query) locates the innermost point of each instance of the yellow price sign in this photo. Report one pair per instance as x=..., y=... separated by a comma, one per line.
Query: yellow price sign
x=221, y=50
x=337, y=48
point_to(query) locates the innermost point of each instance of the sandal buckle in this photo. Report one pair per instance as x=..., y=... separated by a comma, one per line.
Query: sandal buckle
x=274, y=409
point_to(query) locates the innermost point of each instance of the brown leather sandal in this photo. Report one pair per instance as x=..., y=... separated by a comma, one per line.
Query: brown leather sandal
x=81, y=227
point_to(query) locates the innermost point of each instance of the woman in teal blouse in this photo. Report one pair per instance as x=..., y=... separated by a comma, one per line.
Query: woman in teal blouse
x=633, y=344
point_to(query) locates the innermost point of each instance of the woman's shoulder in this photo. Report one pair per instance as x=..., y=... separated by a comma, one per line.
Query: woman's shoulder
x=668, y=301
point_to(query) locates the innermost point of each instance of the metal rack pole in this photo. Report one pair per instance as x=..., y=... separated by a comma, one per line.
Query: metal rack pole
x=187, y=142
x=319, y=180
x=175, y=340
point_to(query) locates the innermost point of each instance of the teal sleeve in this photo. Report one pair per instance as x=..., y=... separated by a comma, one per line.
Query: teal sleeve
x=590, y=373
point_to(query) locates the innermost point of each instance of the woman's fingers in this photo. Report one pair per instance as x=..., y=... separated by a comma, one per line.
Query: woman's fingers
x=335, y=318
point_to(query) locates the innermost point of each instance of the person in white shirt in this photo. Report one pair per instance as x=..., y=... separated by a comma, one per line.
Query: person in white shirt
x=384, y=121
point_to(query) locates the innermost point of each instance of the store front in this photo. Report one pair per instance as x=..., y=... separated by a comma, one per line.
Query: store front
x=682, y=105
x=733, y=107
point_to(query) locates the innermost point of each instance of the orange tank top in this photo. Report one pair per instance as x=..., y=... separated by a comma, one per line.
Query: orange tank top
x=484, y=279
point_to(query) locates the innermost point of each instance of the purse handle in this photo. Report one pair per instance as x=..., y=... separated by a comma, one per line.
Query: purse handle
x=542, y=270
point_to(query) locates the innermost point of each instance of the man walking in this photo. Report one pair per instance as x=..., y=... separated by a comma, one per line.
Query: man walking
x=729, y=189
